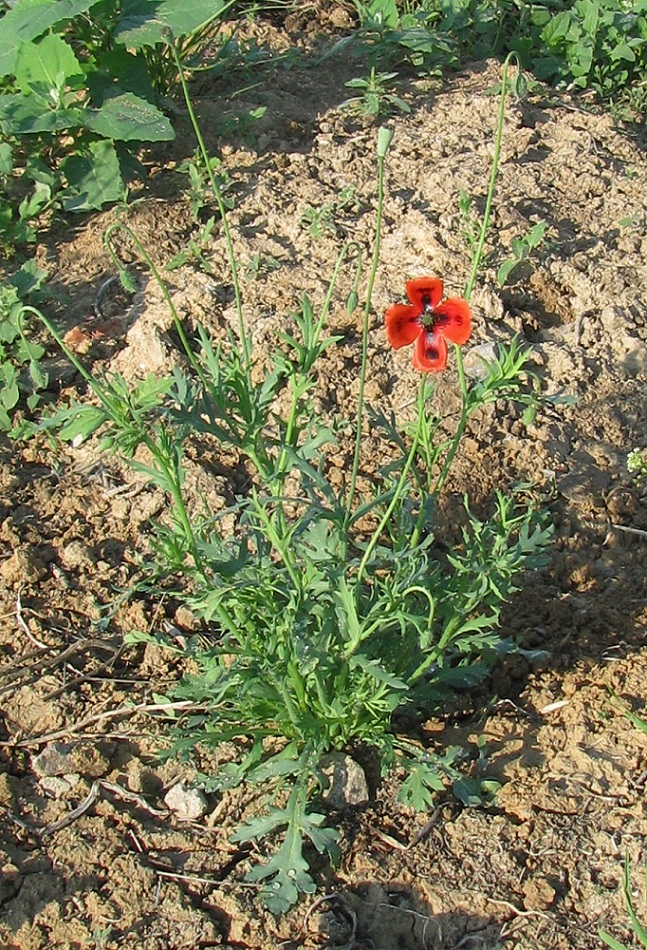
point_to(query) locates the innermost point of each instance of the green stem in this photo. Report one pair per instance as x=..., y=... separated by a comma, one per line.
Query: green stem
x=299, y=382
x=277, y=541
x=469, y=287
x=460, y=428
x=103, y=395
x=384, y=139
x=400, y=487
x=233, y=266
x=161, y=283
x=97, y=388
x=485, y=225
x=174, y=490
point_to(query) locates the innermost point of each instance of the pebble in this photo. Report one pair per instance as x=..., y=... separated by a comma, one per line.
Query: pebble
x=186, y=803
x=59, y=785
x=55, y=759
x=67, y=758
x=348, y=785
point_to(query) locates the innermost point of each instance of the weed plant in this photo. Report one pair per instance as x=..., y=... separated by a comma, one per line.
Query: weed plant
x=21, y=368
x=82, y=86
x=639, y=930
x=374, y=97
x=326, y=612
x=589, y=44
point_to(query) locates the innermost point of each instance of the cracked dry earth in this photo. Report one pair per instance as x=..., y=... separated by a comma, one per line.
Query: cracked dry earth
x=93, y=853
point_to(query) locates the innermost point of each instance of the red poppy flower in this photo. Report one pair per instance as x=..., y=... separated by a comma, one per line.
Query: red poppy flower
x=428, y=323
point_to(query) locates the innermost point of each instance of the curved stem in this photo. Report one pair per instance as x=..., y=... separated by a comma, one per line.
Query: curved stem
x=103, y=395
x=161, y=283
x=96, y=386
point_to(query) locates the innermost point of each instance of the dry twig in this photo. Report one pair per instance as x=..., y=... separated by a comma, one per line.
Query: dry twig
x=185, y=704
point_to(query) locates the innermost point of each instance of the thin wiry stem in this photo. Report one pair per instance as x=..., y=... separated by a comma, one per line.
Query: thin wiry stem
x=469, y=287
x=384, y=138
x=222, y=210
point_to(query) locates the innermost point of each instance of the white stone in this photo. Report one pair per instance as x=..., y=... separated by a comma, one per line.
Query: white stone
x=186, y=803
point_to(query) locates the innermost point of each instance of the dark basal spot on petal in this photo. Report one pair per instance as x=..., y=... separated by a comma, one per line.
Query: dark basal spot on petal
x=442, y=320
x=432, y=353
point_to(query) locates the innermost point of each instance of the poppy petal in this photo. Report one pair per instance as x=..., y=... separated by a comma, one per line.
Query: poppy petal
x=430, y=353
x=425, y=290
x=453, y=318
x=402, y=325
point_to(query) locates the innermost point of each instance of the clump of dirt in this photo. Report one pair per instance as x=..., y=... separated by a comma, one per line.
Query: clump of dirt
x=92, y=855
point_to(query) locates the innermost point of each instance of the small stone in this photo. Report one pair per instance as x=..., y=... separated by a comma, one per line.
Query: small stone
x=55, y=759
x=91, y=759
x=348, y=785
x=188, y=804
x=59, y=785
x=66, y=758
x=185, y=619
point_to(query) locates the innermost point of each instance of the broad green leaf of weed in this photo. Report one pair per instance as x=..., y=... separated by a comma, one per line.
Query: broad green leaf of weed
x=285, y=762
x=145, y=28
x=37, y=201
x=128, y=118
x=39, y=377
x=149, y=392
x=9, y=46
x=591, y=17
x=384, y=12
x=27, y=351
x=623, y=51
x=25, y=115
x=289, y=873
x=321, y=538
x=286, y=873
x=93, y=179
x=378, y=673
x=6, y=158
x=29, y=278
x=557, y=28
x=132, y=72
x=505, y=270
x=50, y=61
x=30, y=18
x=9, y=393
x=536, y=234
x=473, y=792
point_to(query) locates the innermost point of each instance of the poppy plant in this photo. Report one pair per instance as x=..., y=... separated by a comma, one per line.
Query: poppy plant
x=428, y=323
